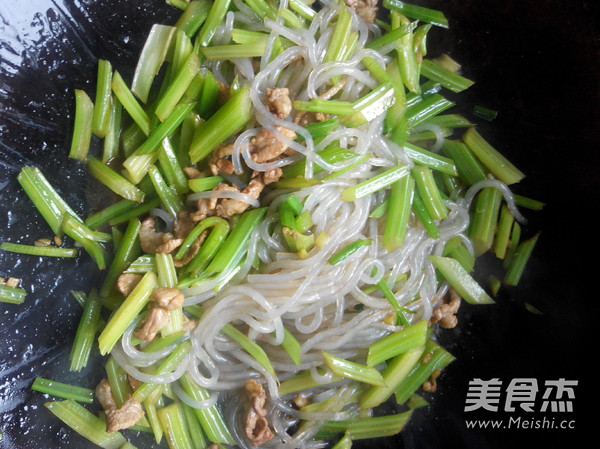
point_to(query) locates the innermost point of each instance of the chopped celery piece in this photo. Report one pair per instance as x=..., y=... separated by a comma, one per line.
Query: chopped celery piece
x=416, y=12
x=173, y=422
x=301, y=381
x=114, y=181
x=398, y=213
x=397, y=343
x=167, y=365
x=125, y=254
x=374, y=184
x=210, y=418
x=330, y=154
x=461, y=280
x=193, y=17
x=169, y=197
x=176, y=90
x=429, y=192
x=435, y=358
x=528, y=203
x=234, y=51
x=484, y=220
x=165, y=129
x=348, y=250
x=469, y=168
x=447, y=78
x=424, y=216
x=44, y=197
x=151, y=58
x=82, y=127
x=500, y=167
x=43, y=251
x=131, y=307
x=216, y=16
x=368, y=427
x=396, y=370
x=430, y=159
x=85, y=423
x=291, y=345
x=118, y=380
x=110, y=145
x=86, y=333
x=102, y=103
x=63, y=390
x=519, y=260
x=227, y=120
x=236, y=241
x=249, y=346
x=12, y=295
x=353, y=370
x=130, y=104
x=484, y=113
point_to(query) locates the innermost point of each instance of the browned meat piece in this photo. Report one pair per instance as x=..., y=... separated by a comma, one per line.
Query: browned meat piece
x=126, y=416
x=157, y=319
x=365, y=9
x=280, y=104
x=189, y=324
x=271, y=176
x=207, y=206
x=126, y=282
x=167, y=298
x=192, y=172
x=219, y=163
x=445, y=314
x=430, y=385
x=257, y=427
x=105, y=396
x=183, y=225
x=12, y=282
x=301, y=400
x=170, y=243
x=265, y=146
x=150, y=240
x=213, y=446
x=228, y=207
x=117, y=418
x=42, y=242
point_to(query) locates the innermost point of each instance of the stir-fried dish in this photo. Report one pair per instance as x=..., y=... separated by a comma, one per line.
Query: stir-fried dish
x=293, y=214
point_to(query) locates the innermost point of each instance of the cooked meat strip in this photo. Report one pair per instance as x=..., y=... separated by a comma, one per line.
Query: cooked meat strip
x=257, y=427
x=445, y=314
x=156, y=319
x=169, y=243
x=117, y=418
x=265, y=146
x=192, y=172
x=167, y=298
x=126, y=416
x=150, y=239
x=126, y=282
x=105, y=396
x=219, y=162
x=280, y=103
x=365, y=9
x=430, y=385
x=206, y=207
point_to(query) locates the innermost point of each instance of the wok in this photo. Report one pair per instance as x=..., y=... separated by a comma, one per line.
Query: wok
x=536, y=62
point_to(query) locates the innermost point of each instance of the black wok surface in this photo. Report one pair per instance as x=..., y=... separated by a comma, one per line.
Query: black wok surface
x=535, y=61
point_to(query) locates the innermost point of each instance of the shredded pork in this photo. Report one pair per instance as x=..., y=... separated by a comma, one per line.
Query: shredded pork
x=117, y=418
x=257, y=427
